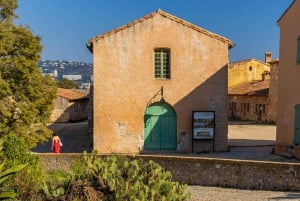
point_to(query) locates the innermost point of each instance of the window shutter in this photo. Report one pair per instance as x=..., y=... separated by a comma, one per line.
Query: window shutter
x=298, y=50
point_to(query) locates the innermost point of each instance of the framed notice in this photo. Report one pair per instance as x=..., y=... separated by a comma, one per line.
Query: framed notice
x=203, y=124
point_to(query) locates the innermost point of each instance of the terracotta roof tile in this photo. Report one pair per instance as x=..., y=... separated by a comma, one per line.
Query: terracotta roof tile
x=71, y=94
x=256, y=88
x=167, y=15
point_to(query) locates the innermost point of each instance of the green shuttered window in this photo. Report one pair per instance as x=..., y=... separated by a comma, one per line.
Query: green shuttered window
x=298, y=50
x=162, y=63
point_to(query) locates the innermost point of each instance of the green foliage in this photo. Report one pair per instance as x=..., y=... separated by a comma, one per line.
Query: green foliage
x=67, y=84
x=133, y=179
x=30, y=180
x=54, y=185
x=7, y=9
x=26, y=97
x=4, y=175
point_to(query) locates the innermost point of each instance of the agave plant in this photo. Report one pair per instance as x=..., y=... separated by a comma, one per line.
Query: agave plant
x=4, y=175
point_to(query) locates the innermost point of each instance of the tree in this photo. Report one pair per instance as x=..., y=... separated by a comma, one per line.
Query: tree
x=26, y=96
x=67, y=84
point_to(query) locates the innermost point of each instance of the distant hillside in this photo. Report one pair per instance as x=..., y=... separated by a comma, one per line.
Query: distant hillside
x=69, y=69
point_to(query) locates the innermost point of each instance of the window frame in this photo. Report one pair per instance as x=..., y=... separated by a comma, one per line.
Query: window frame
x=162, y=69
x=298, y=51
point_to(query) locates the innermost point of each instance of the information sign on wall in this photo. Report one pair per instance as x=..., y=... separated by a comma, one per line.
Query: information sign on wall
x=203, y=124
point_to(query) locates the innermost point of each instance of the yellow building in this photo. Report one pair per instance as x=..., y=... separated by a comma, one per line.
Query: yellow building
x=248, y=70
x=150, y=76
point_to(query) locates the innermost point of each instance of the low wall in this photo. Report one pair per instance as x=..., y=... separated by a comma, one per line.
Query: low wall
x=242, y=174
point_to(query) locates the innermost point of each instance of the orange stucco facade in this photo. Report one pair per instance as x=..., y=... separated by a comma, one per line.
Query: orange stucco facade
x=124, y=82
x=289, y=75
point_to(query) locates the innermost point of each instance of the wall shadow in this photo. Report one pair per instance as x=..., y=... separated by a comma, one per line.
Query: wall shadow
x=210, y=95
x=75, y=137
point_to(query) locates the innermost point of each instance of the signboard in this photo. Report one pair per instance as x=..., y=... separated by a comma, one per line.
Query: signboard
x=203, y=124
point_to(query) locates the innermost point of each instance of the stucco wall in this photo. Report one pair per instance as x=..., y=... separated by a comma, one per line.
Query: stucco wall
x=210, y=172
x=289, y=74
x=124, y=83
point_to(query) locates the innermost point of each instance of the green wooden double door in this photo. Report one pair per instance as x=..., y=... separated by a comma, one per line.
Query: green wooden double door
x=160, y=127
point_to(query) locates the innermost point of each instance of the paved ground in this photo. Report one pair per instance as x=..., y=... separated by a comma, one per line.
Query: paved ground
x=246, y=141
x=74, y=136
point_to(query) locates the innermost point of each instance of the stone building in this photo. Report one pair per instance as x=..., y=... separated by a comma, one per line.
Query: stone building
x=70, y=106
x=287, y=134
x=150, y=75
x=252, y=89
x=249, y=101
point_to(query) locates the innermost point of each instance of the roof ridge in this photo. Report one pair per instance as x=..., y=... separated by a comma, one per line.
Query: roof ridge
x=164, y=14
x=253, y=59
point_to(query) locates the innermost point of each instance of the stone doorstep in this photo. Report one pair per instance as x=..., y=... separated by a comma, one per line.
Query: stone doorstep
x=286, y=150
x=296, y=152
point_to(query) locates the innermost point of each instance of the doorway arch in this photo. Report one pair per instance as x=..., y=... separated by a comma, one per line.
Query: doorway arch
x=160, y=127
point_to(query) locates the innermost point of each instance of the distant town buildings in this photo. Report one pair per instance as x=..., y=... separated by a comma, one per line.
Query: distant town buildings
x=78, y=71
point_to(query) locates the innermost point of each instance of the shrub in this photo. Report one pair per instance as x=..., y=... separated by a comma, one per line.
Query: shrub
x=4, y=175
x=30, y=180
x=53, y=187
x=132, y=179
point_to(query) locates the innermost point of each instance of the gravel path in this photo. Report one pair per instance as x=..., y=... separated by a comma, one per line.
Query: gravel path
x=201, y=193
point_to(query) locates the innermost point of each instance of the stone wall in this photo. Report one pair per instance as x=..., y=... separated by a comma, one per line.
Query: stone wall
x=211, y=172
x=273, y=91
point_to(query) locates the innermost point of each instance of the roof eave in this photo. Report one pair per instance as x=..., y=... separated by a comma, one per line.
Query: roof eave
x=164, y=14
x=278, y=21
x=89, y=46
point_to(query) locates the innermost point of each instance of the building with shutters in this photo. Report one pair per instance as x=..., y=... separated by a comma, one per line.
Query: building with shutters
x=150, y=75
x=253, y=89
x=288, y=117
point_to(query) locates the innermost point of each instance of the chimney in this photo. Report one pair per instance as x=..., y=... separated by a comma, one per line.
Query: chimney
x=268, y=57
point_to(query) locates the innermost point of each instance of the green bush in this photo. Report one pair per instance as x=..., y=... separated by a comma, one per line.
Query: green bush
x=54, y=186
x=4, y=176
x=30, y=180
x=132, y=179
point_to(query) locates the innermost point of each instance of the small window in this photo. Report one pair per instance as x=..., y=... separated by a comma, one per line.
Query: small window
x=75, y=106
x=250, y=68
x=298, y=50
x=162, y=63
